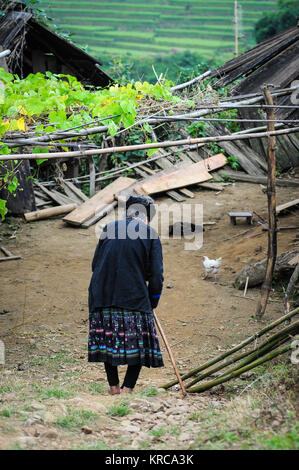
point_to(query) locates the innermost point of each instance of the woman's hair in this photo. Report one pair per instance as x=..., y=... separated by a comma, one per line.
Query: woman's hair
x=140, y=206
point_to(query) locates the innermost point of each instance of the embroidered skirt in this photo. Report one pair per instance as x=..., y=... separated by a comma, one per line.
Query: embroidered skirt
x=120, y=336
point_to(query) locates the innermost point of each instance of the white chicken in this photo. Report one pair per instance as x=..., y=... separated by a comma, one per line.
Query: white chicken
x=211, y=266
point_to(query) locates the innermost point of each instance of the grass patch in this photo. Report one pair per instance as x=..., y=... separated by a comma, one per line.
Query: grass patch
x=5, y=389
x=119, y=410
x=287, y=441
x=7, y=413
x=55, y=393
x=159, y=432
x=174, y=430
x=97, y=388
x=75, y=419
x=150, y=392
x=195, y=417
x=99, y=445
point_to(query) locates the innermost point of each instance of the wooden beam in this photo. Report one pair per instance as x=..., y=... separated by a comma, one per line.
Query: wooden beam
x=50, y=212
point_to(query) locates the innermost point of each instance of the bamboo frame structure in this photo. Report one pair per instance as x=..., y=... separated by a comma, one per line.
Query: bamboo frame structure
x=152, y=145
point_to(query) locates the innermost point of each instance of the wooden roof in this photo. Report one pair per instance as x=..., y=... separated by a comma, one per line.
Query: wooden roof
x=257, y=57
x=274, y=61
x=68, y=57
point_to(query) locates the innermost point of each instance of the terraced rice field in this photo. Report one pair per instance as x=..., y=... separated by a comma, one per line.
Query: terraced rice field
x=140, y=28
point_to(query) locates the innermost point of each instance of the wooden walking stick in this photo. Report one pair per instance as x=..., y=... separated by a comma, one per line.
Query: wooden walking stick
x=176, y=370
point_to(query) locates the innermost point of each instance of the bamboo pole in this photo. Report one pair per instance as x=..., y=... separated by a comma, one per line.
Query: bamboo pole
x=267, y=345
x=129, y=148
x=170, y=354
x=291, y=284
x=50, y=212
x=236, y=348
x=272, y=222
x=191, y=82
x=211, y=109
x=237, y=373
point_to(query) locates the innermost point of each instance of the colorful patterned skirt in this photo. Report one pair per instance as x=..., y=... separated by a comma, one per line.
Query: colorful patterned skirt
x=120, y=336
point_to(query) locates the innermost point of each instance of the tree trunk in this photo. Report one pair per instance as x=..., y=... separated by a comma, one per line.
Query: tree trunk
x=257, y=271
x=272, y=222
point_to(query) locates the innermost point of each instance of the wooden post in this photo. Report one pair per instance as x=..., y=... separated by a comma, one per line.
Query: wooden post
x=236, y=29
x=272, y=222
x=92, y=177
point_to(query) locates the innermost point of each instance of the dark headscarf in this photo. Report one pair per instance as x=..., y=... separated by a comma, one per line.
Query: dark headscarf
x=142, y=200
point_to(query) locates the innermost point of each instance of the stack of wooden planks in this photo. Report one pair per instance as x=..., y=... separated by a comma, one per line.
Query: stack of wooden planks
x=174, y=177
x=99, y=205
x=51, y=202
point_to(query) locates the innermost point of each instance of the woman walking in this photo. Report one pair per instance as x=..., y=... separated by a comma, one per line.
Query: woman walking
x=126, y=285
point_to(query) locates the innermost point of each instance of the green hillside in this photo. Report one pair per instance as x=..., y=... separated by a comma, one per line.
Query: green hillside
x=141, y=28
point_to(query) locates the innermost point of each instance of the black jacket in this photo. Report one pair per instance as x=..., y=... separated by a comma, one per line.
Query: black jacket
x=123, y=266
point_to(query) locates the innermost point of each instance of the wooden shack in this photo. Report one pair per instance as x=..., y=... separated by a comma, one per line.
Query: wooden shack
x=276, y=62
x=35, y=48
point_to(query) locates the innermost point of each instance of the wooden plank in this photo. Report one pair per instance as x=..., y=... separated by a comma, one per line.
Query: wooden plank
x=98, y=202
x=92, y=178
x=172, y=194
x=6, y=251
x=179, y=177
x=294, y=260
x=72, y=190
x=8, y=255
x=59, y=200
x=173, y=181
x=41, y=195
x=9, y=258
x=50, y=212
x=165, y=164
x=287, y=205
x=251, y=166
x=65, y=199
x=239, y=176
x=187, y=193
x=99, y=215
x=213, y=186
x=76, y=199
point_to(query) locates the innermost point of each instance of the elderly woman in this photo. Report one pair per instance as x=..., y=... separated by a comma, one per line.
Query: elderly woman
x=126, y=285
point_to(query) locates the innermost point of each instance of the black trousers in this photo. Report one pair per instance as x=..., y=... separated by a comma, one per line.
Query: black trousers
x=130, y=377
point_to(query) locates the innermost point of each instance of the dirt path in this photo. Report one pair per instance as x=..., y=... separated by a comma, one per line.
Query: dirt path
x=44, y=324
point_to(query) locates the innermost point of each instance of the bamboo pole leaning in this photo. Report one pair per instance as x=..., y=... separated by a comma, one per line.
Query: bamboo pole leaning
x=237, y=373
x=275, y=340
x=231, y=351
